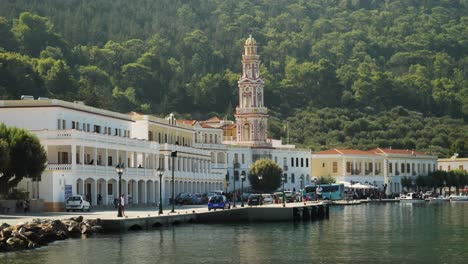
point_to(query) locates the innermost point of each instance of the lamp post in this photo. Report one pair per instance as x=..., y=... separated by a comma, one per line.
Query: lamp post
x=260, y=177
x=120, y=170
x=173, y=155
x=283, y=179
x=160, y=174
x=301, y=182
x=236, y=166
x=242, y=188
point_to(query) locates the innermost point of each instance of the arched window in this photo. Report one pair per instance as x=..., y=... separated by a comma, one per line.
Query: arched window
x=246, y=132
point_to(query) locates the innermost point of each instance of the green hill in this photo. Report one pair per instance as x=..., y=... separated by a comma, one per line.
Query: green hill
x=350, y=60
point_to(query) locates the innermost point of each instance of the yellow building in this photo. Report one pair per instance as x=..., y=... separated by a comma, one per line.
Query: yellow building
x=380, y=167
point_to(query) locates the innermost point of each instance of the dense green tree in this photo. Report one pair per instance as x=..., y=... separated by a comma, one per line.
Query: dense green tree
x=27, y=157
x=271, y=175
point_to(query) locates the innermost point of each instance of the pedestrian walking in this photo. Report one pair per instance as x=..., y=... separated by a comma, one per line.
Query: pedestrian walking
x=122, y=204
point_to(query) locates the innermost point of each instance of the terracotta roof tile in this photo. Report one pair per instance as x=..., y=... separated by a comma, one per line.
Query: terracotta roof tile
x=213, y=119
x=336, y=151
x=395, y=151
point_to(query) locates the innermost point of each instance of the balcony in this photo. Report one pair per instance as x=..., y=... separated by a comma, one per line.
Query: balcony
x=72, y=134
x=210, y=146
x=251, y=110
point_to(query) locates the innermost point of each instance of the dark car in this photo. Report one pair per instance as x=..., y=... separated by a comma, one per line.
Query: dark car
x=184, y=198
x=254, y=199
x=218, y=202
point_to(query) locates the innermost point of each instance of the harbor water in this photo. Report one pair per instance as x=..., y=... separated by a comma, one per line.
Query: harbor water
x=366, y=233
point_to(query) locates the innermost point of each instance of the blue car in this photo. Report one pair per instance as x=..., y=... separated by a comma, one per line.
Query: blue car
x=218, y=202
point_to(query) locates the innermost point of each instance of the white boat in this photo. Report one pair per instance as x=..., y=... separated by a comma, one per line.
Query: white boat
x=438, y=199
x=410, y=198
x=458, y=198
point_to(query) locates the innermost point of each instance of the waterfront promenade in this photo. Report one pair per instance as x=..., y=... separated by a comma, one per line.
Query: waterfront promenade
x=138, y=212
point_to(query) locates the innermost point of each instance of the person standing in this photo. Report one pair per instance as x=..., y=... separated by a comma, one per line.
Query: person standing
x=318, y=192
x=122, y=204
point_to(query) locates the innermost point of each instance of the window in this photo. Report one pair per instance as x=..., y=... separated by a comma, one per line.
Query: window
x=302, y=162
x=293, y=178
x=243, y=160
x=211, y=138
x=150, y=136
x=335, y=166
x=99, y=160
x=285, y=178
x=73, y=125
x=88, y=127
x=407, y=167
x=236, y=158
x=307, y=162
x=206, y=138
x=62, y=157
x=78, y=125
x=216, y=139
x=297, y=162
x=97, y=129
x=59, y=124
x=390, y=167
x=109, y=161
x=109, y=189
x=402, y=168
x=323, y=165
x=348, y=166
x=84, y=127
x=292, y=162
x=64, y=124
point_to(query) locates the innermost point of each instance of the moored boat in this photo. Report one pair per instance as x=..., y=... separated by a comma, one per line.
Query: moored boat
x=411, y=198
x=458, y=198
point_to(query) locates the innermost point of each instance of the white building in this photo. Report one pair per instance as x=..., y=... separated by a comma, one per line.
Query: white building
x=84, y=144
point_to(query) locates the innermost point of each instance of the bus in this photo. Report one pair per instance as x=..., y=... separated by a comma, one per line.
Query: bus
x=329, y=191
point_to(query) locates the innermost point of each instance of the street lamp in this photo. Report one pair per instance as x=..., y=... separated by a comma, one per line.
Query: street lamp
x=236, y=166
x=242, y=188
x=260, y=177
x=120, y=170
x=283, y=179
x=160, y=174
x=301, y=181
x=173, y=155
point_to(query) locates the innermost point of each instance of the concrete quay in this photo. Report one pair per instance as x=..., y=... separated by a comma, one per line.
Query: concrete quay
x=265, y=213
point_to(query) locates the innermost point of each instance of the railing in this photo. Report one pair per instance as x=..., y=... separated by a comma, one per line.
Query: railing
x=356, y=172
x=179, y=148
x=59, y=167
x=95, y=137
x=368, y=172
x=210, y=146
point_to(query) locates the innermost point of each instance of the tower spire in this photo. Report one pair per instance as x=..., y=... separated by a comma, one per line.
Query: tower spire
x=251, y=115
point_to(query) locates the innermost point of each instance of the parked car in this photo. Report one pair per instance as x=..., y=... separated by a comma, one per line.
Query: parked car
x=197, y=198
x=183, y=198
x=254, y=199
x=267, y=198
x=77, y=202
x=218, y=202
x=290, y=197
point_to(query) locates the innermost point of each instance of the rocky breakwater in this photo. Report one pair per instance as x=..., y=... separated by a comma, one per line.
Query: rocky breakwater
x=39, y=233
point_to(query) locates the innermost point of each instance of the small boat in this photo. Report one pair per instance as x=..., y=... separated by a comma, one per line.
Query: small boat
x=438, y=199
x=411, y=198
x=458, y=198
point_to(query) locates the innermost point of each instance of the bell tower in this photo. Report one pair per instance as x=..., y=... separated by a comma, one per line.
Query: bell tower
x=251, y=114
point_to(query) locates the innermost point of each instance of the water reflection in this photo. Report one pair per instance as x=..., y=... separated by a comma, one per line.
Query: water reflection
x=377, y=233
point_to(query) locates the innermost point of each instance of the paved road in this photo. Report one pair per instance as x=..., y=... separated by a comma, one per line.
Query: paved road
x=112, y=214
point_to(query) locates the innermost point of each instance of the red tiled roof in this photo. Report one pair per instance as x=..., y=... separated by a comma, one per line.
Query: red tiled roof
x=186, y=122
x=395, y=151
x=204, y=125
x=336, y=151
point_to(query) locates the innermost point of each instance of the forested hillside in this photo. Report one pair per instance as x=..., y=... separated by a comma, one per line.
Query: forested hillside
x=339, y=63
